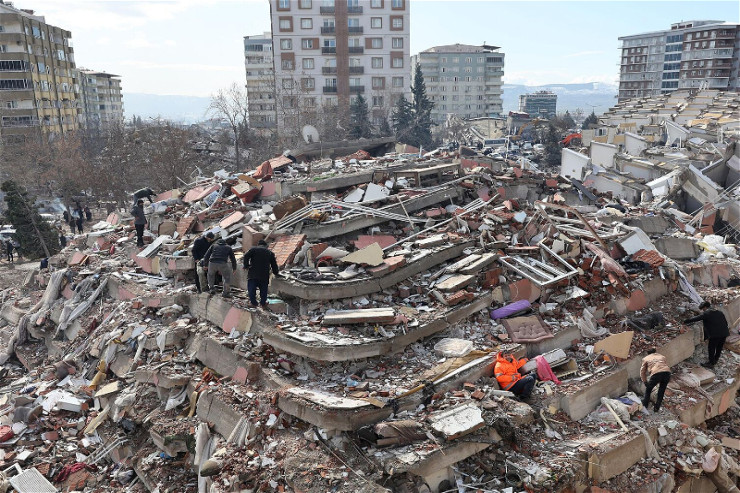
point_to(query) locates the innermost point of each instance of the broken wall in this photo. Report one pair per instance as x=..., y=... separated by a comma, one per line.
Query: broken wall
x=573, y=164
x=603, y=154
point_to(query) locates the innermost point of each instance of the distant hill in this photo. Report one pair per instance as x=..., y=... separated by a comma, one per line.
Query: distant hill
x=592, y=95
x=185, y=109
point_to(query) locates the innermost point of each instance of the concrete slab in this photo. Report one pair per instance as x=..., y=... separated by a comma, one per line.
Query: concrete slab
x=611, y=460
x=579, y=404
x=364, y=316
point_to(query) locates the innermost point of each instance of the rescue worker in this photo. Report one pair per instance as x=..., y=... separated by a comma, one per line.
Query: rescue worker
x=259, y=260
x=216, y=262
x=655, y=370
x=139, y=222
x=716, y=331
x=508, y=376
x=200, y=248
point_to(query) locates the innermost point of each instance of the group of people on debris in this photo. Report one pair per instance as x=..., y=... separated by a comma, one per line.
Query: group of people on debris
x=654, y=371
x=77, y=217
x=215, y=257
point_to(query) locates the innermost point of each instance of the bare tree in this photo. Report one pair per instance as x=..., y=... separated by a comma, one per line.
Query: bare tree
x=231, y=105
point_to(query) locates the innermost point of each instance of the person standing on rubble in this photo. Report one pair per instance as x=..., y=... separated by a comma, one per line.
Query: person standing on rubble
x=716, y=331
x=88, y=213
x=259, y=260
x=655, y=370
x=139, y=222
x=216, y=262
x=507, y=374
x=200, y=248
x=79, y=218
x=9, y=250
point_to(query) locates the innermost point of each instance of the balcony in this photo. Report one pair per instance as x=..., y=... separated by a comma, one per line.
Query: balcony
x=326, y=10
x=20, y=122
x=355, y=29
x=329, y=50
x=357, y=70
x=328, y=70
x=330, y=89
x=356, y=89
x=328, y=29
x=357, y=9
x=356, y=50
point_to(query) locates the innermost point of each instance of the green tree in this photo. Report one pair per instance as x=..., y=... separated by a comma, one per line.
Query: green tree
x=36, y=237
x=422, y=111
x=403, y=116
x=552, y=146
x=359, y=119
x=589, y=120
x=385, y=128
x=568, y=120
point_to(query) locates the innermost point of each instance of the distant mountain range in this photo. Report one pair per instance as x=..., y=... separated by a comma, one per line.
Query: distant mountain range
x=189, y=109
x=592, y=95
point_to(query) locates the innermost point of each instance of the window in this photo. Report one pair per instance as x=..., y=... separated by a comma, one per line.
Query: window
x=397, y=43
x=331, y=82
x=397, y=23
x=310, y=102
x=376, y=43
x=354, y=62
x=354, y=42
x=305, y=4
x=11, y=104
x=354, y=81
x=456, y=60
x=308, y=83
x=284, y=4
x=307, y=23
x=328, y=22
x=377, y=101
x=378, y=82
x=397, y=62
x=468, y=60
x=308, y=63
x=330, y=43
x=286, y=24
x=307, y=44
x=353, y=22
x=42, y=68
x=36, y=32
x=376, y=22
x=376, y=4
x=3, y=48
x=287, y=65
x=397, y=81
x=330, y=62
x=397, y=4
x=377, y=62
x=287, y=83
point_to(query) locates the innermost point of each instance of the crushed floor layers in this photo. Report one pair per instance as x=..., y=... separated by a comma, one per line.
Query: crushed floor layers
x=371, y=369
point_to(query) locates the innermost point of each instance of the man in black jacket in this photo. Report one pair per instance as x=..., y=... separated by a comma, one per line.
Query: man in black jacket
x=200, y=248
x=139, y=222
x=216, y=262
x=259, y=260
x=716, y=331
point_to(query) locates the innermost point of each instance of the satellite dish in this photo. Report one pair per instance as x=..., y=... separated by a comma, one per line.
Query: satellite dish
x=310, y=134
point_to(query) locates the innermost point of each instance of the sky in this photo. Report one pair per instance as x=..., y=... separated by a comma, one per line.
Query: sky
x=195, y=47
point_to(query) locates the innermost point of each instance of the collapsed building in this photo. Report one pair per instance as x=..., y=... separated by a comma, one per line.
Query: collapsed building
x=402, y=279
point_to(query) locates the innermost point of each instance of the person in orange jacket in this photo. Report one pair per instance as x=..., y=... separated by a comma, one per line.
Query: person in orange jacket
x=508, y=376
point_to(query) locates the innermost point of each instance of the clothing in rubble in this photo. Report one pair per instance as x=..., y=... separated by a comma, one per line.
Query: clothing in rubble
x=716, y=331
x=655, y=370
x=508, y=376
x=259, y=260
x=216, y=261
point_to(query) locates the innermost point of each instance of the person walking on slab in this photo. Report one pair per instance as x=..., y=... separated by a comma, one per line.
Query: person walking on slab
x=139, y=222
x=217, y=262
x=716, y=331
x=259, y=260
x=200, y=248
x=654, y=371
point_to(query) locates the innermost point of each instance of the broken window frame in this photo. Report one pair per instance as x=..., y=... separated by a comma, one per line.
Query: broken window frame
x=540, y=273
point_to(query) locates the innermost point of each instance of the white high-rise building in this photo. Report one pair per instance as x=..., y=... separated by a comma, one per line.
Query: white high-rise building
x=260, y=82
x=327, y=52
x=102, y=101
x=462, y=80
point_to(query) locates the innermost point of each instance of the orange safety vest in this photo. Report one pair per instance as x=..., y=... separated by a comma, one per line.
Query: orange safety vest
x=506, y=370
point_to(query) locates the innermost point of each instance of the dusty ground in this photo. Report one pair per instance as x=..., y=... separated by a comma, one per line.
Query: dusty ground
x=13, y=275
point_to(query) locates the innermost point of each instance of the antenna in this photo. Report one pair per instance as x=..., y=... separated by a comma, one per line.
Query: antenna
x=310, y=134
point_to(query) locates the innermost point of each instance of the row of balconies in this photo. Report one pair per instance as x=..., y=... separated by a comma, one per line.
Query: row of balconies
x=332, y=50
x=333, y=70
x=330, y=10
x=333, y=29
x=352, y=89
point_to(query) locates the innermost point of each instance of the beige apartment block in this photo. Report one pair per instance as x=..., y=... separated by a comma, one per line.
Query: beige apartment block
x=37, y=77
x=327, y=52
x=701, y=54
x=101, y=97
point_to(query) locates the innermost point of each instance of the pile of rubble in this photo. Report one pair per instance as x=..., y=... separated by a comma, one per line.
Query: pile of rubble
x=402, y=278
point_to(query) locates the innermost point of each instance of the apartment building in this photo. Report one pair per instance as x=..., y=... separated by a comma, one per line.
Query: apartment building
x=101, y=98
x=542, y=104
x=462, y=80
x=326, y=52
x=37, y=77
x=691, y=54
x=258, y=61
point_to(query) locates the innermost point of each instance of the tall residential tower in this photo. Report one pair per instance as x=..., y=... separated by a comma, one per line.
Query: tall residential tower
x=102, y=101
x=260, y=82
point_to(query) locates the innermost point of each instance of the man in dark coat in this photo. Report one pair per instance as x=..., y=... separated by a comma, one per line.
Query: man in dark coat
x=139, y=222
x=200, y=248
x=217, y=262
x=259, y=260
x=144, y=193
x=88, y=213
x=716, y=330
x=79, y=218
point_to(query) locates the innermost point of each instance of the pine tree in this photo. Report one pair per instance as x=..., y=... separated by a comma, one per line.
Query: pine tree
x=422, y=111
x=552, y=147
x=385, y=128
x=403, y=117
x=589, y=120
x=359, y=119
x=36, y=237
x=568, y=120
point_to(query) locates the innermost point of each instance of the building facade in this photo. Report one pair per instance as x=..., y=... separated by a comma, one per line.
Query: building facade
x=692, y=54
x=101, y=98
x=37, y=77
x=258, y=61
x=327, y=52
x=542, y=104
x=462, y=80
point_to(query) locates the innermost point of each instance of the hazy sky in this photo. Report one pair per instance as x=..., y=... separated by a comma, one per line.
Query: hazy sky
x=193, y=48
